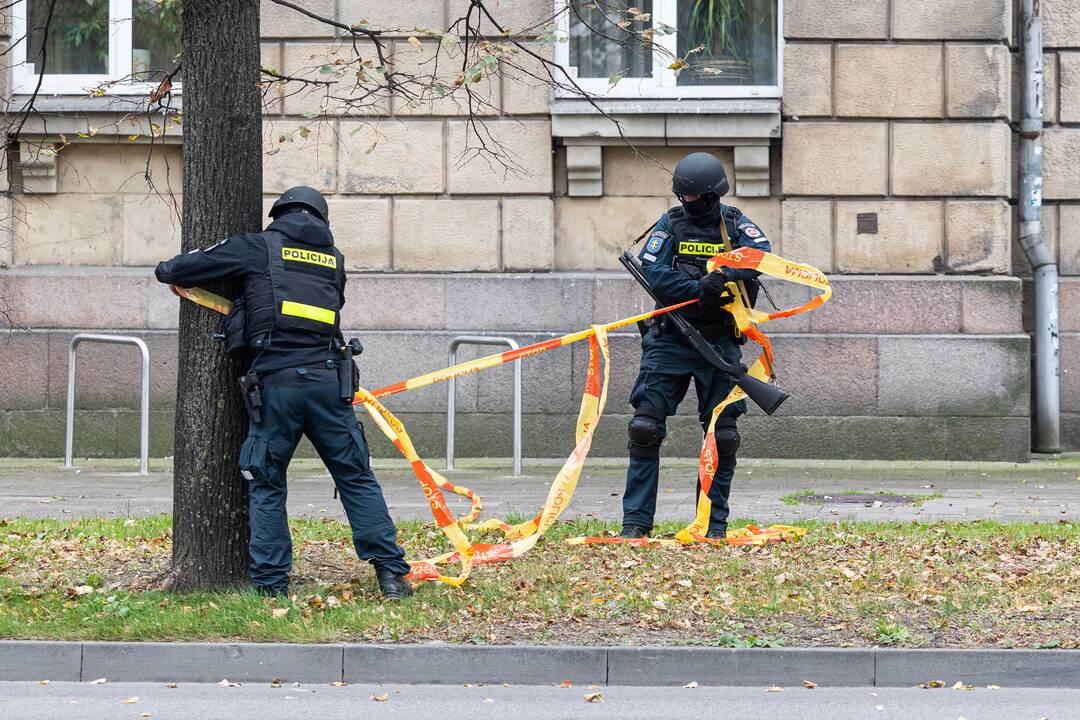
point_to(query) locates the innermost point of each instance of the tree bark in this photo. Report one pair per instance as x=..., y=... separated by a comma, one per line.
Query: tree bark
x=222, y=196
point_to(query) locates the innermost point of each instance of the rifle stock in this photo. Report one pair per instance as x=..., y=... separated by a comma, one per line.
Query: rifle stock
x=765, y=395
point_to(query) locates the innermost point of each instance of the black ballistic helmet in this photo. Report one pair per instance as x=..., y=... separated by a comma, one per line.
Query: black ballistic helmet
x=699, y=174
x=305, y=197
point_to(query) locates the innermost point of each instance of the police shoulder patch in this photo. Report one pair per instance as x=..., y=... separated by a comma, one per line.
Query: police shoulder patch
x=656, y=241
x=751, y=230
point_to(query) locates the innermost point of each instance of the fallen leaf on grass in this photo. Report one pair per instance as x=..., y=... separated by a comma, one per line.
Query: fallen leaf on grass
x=99, y=681
x=279, y=612
x=809, y=685
x=565, y=684
x=132, y=700
x=774, y=688
x=1028, y=608
x=225, y=682
x=691, y=685
x=379, y=698
x=594, y=697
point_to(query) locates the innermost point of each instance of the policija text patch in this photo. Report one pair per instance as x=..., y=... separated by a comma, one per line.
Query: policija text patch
x=706, y=249
x=308, y=256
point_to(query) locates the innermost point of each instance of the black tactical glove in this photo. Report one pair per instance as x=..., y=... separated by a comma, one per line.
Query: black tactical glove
x=714, y=291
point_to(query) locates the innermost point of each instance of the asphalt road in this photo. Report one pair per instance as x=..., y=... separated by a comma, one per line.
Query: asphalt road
x=63, y=701
x=1045, y=491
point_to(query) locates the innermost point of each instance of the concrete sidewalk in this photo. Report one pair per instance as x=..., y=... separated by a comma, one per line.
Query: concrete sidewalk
x=1043, y=490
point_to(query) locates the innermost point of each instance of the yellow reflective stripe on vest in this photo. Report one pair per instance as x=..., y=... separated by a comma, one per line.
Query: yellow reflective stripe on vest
x=309, y=312
x=309, y=256
x=700, y=248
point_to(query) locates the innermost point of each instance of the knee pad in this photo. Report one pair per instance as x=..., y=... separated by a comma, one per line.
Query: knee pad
x=646, y=435
x=727, y=438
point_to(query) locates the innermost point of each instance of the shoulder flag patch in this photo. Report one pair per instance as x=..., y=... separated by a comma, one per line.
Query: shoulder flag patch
x=656, y=241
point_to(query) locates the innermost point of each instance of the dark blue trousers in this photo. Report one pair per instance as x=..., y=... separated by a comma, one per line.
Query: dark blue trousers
x=668, y=364
x=303, y=401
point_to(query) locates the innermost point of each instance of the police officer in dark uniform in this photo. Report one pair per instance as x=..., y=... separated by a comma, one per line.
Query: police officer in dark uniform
x=289, y=322
x=673, y=261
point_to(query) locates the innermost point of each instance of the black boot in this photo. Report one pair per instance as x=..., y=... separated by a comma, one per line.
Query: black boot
x=717, y=533
x=272, y=591
x=393, y=587
x=634, y=532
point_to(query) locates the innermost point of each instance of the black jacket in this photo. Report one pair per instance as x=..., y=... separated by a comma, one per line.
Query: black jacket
x=246, y=258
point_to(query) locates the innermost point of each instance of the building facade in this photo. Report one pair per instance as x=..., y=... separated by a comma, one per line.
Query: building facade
x=873, y=139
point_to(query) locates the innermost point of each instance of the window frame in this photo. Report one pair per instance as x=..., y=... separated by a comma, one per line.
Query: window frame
x=663, y=85
x=24, y=80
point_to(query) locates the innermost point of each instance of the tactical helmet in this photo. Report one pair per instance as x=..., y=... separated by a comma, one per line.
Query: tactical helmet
x=699, y=174
x=305, y=197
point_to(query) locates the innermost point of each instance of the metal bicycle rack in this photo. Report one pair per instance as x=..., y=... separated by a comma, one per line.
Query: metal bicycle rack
x=457, y=342
x=144, y=421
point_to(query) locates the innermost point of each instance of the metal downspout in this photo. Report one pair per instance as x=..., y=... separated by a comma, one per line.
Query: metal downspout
x=1047, y=400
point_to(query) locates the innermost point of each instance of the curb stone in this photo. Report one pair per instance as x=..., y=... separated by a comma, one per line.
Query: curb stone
x=442, y=663
x=205, y=662
x=835, y=667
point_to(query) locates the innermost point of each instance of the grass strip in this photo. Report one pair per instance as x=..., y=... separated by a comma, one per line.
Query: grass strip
x=980, y=584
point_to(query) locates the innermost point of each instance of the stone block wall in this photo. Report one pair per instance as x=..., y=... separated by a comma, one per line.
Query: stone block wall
x=897, y=146
x=895, y=173
x=945, y=378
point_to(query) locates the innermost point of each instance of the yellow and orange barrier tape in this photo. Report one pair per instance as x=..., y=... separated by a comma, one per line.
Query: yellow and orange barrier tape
x=521, y=538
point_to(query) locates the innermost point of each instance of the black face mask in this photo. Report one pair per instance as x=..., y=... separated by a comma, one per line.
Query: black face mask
x=706, y=207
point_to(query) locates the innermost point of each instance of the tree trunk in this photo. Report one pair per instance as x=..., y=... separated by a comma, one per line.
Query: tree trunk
x=222, y=197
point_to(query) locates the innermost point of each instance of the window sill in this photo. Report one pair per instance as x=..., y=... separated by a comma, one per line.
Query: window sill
x=752, y=121
x=85, y=103
x=748, y=125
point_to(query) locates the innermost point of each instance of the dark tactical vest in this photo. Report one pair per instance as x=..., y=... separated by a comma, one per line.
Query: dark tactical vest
x=694, y=245
x=300, y=292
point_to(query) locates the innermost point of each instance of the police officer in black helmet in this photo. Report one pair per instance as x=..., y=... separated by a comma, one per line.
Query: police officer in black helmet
x=673, y=261
x=301, y=381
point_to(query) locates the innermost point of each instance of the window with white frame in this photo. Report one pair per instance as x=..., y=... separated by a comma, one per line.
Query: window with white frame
x=672, y=48
x=76, y=46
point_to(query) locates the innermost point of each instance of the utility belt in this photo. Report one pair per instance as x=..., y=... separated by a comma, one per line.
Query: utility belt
x=344, y=370
x=660, y=326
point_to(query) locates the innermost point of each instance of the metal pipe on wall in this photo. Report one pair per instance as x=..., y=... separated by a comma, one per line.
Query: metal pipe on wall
x=1046, y=363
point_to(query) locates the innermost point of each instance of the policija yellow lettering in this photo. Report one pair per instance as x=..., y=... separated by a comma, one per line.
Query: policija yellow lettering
x=700, y=248
x=308, y=256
